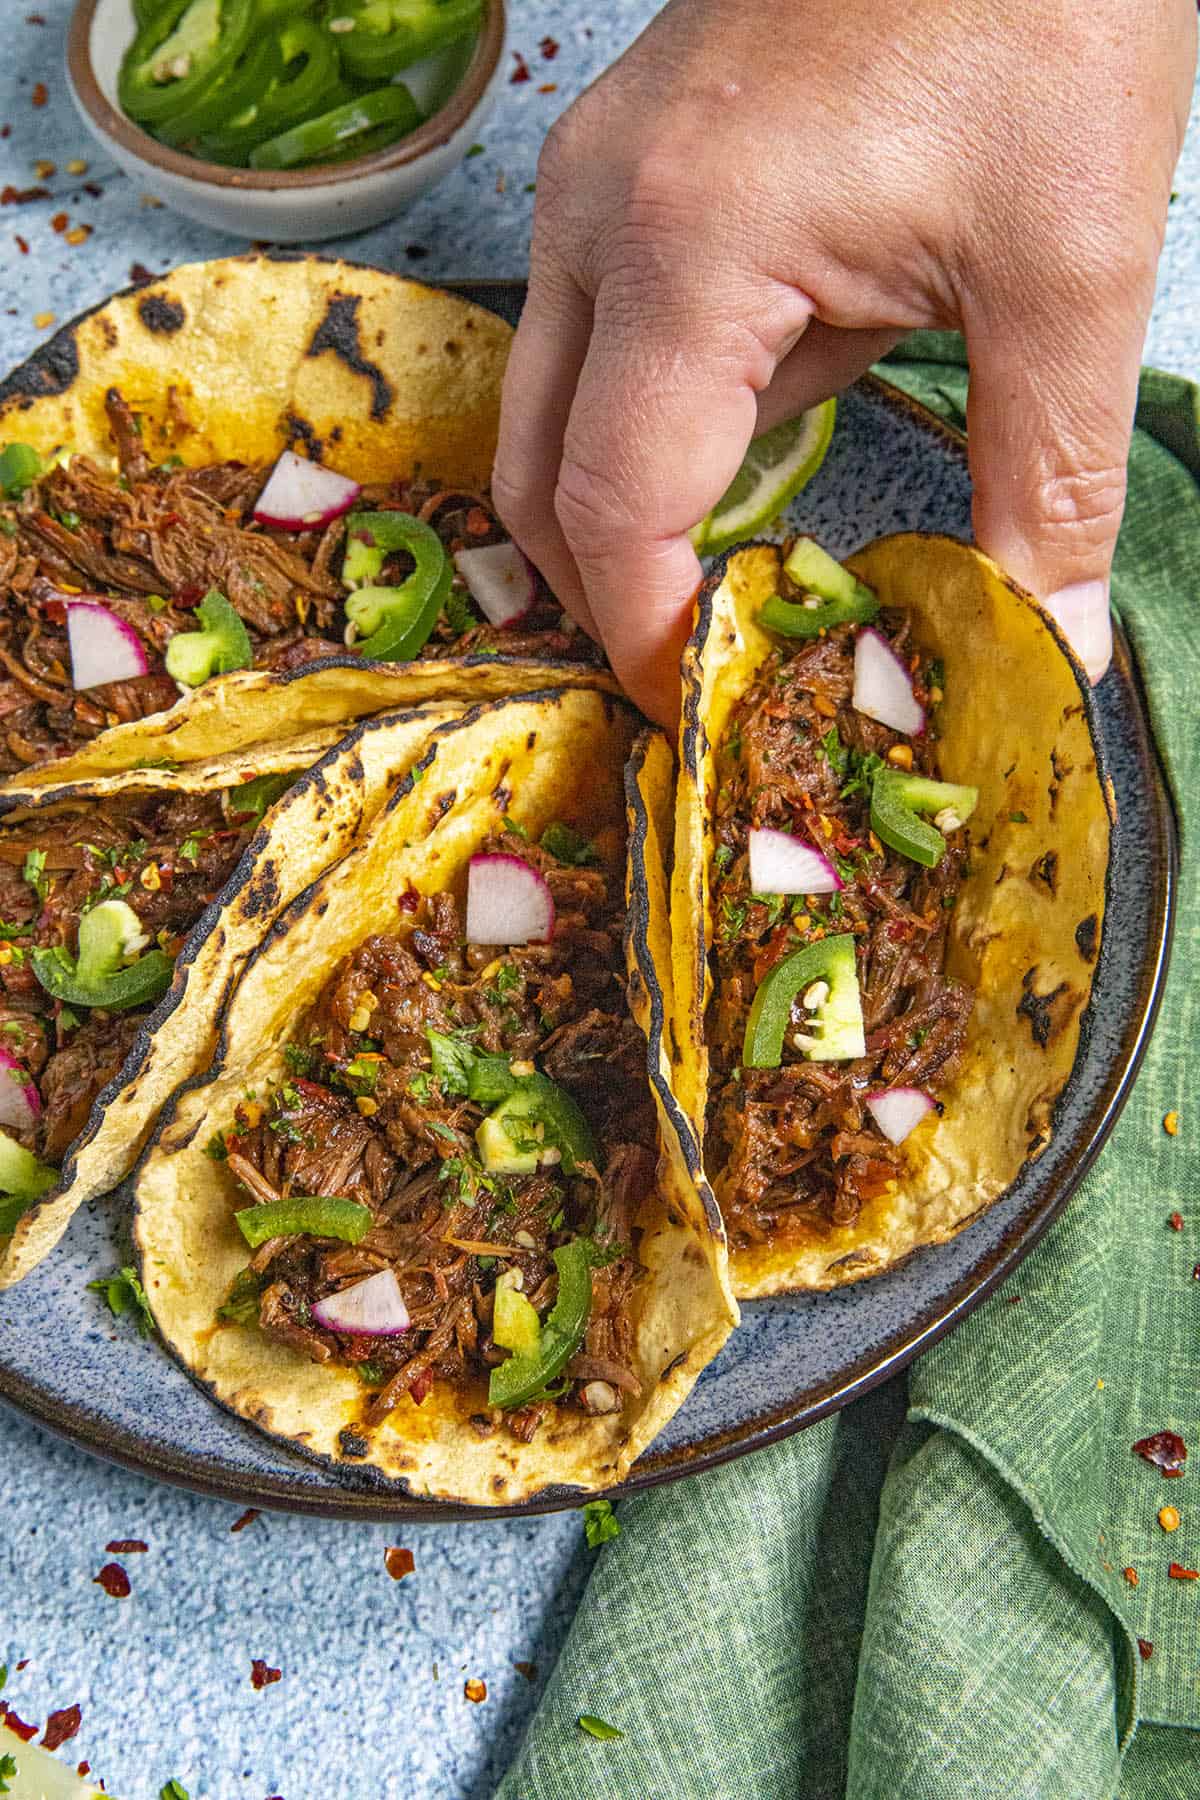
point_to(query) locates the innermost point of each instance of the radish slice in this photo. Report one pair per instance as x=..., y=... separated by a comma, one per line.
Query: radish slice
x=507, y=902
x=883, y=687
x=500, y=580
x=781, y=864
x=897, y=1111
x=302, y=495
x=103, y=647
x=20, y=1102
x=371, y=1308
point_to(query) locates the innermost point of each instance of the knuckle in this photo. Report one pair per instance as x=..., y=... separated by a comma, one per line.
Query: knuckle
x=588, y=506
x=512, y=501
x=1082, y=503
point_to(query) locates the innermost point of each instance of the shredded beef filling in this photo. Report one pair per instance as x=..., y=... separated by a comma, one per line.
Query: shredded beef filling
x=367, y=1116
x=167, y=856
x=150, y=542
x=794, y=1149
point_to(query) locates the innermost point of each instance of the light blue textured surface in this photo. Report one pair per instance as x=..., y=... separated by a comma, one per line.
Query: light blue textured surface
x=163, y=1677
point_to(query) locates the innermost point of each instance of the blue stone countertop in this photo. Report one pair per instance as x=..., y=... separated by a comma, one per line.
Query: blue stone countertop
x=370, y=1701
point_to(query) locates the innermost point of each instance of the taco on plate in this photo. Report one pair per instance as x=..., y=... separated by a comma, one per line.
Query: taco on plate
x=250, y=499
x=126, y=910
x=420, y=1216
x=888, y=894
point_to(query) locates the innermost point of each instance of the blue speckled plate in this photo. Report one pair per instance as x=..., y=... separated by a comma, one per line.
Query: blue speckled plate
x=64, y=1362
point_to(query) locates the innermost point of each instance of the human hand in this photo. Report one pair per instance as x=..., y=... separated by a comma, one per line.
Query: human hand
x=747, y=210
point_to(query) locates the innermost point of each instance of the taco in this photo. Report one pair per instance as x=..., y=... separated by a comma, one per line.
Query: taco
x=890, y=864
x=416, y=1218
x=262, y=485
x=126, y=911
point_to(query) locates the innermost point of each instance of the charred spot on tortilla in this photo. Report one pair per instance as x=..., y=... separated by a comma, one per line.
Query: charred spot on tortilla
x=298, y=431
x=338, y=332
x=108, y=332
x=1045, y=870
x=442, y=805
x=531, y=740
x=1087, y=937
x=1041, y=1009
x=161, y=314
x=351, y=1443
x=52, y=369
x=262, y=894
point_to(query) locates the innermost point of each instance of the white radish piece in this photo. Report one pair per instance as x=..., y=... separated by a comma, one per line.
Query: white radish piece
x=882, y=686
x=781, y=864
x=899, y=1110
x=20, y=1102
x=373, y=1307
x=302, y=495
x=103, y=647
x=507, y=902
x=499, y=579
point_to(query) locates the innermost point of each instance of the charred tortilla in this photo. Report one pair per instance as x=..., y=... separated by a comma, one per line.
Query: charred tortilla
x=157, y=419
x=986, y=1004
x=372, y=1056
x=200, y=867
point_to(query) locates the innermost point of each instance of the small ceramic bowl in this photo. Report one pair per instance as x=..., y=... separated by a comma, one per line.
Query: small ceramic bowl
x=289, y=205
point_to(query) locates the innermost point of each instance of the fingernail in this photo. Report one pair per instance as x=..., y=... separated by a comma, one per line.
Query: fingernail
x=1082, y=611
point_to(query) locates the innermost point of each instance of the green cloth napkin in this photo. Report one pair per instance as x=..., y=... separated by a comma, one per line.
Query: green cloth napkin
x=922, y=1598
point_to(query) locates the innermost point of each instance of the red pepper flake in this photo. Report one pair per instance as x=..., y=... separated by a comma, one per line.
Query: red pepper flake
x=139, y=274
x=1177, y=1572
x=40, y=94
x=1196, y=1271
x=261, y=1676
x=419, y=1386
x=1131, y=1576
x=126, y=1547
x=1165, y=1449
x=61, y=1726
x=398, y=1562
x=21, y=243
x=34, y=19
x=409, y=900
x=83, y=1768
x=5, y=131
x=113, y=1579
x=79, y=234
x=94, y=189
x=478, y=523
x=548, y=87
x=8, y=1717
x=527, y=1669
x=549, y=48
x=521, y=72
x=475, y=1690
x=23, y=1664
x=1176, y=1221
x=1145, y=1649
x=248, y=1517
x=15, y=196
x=59, y=222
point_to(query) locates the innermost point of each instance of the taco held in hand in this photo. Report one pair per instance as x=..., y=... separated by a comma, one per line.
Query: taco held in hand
x=891, y=811
x=263, y=488
x=418, y=1218
x=126, y=910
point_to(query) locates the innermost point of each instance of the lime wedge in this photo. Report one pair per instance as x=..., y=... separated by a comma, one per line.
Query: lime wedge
x=777, y=465
x=33, y=1774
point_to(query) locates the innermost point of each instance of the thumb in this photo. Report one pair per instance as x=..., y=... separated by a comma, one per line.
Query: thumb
x=1049, y=419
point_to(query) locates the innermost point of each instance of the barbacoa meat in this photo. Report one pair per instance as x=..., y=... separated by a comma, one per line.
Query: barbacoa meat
x=167, y=856
x=366, y=1115
x=149, y=541
x=794, y=1150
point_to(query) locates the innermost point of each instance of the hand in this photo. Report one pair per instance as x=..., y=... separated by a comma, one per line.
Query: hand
x=754, y=203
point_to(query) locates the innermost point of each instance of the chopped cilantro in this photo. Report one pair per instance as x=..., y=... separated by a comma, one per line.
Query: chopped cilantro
x=156, y=603
x=475, y=150
x=597, y=1728
x=71, y=520
x=600, y=1523
x=125, y=1294
x=8, y=526
x=835, y=906
x=189, y=850
x=846, y=866
x=8, y=1766
x=252, y=800
x=362, y=1075
x=917, y=1038
x=835, y=752
x=723, y=856
x=861, y=770
x=299, y=1058
x=937, y=674
x=733, y=917
x=567, y=845
x=216, y=1147
x=459, y=616
x=33, y=872
x=3, y=1676
x=515, y=826
x=949, y=900
x=240, y=1306
x=452, y=1060
x=508, y=978
x=1015, y=818
x=774, y=904
x=443, y=1131
x=67, y=1020
x=421, y=1087
x=371, y=1374
x=8, y=932
x=173, y=1790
